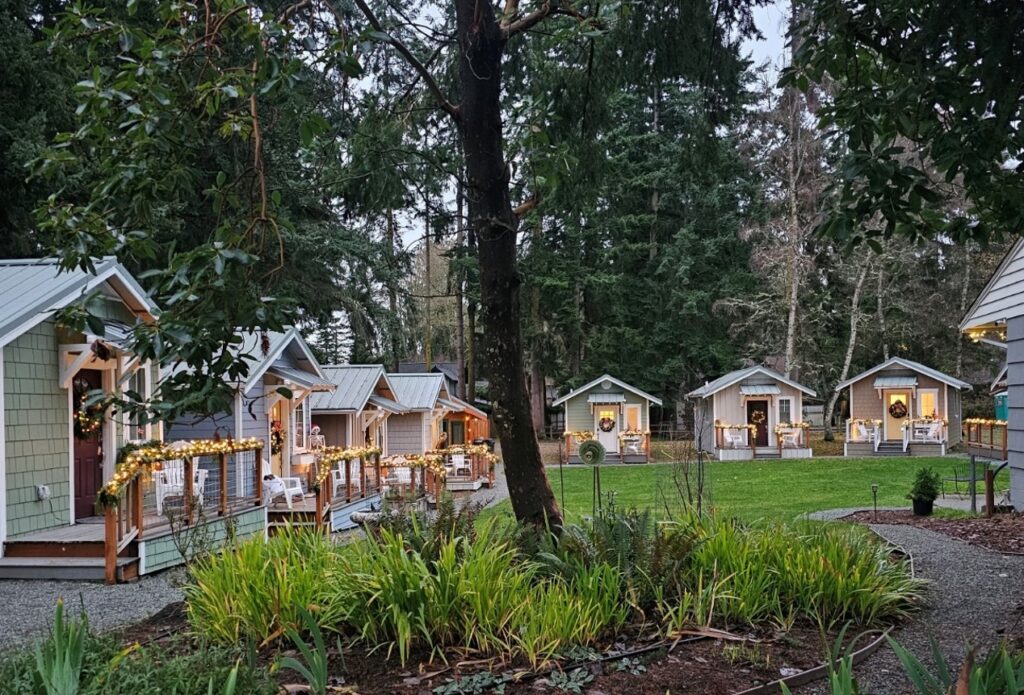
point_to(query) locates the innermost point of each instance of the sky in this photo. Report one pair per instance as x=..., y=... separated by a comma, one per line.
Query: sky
x=771, y=21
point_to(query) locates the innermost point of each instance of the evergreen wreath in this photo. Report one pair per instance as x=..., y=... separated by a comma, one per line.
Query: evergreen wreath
x=606, y=424
x=898, y=410
x=88, y=419
x=757, y=417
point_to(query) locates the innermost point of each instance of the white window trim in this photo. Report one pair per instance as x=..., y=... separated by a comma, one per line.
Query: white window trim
x=778, y=409
x=625, y=415
x=920, y=400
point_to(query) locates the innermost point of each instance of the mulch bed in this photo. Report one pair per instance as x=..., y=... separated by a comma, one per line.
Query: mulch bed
x=1002, y=533
x=704, y=667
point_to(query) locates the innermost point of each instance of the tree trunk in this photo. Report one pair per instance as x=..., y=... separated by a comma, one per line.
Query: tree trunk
x=795, y=233
x=882, y=328
x=481, y=47
x=392, y=292
x=428, y=337
x=460, y=324
x=964, y=290
x=850, y=346
x=537, y=400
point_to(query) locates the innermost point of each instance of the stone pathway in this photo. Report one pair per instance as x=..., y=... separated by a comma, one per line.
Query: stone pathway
x=974, y=596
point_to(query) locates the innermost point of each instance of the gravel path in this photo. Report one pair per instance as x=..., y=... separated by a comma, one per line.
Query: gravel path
x=974, y=597
x=491, y=496
x=27, y=605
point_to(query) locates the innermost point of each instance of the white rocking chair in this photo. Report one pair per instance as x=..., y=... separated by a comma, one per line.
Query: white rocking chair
x=790, y=439
x=934, y=433
x=734, y=439
x=274, y=487
x=864, y=434
x=459, y=467
x=169, y=481
x=338, y=478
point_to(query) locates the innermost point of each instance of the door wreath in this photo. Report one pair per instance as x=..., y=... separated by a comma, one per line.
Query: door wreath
x=606, y=424
x=757, y=417
x=88, y=419
x=898, y=410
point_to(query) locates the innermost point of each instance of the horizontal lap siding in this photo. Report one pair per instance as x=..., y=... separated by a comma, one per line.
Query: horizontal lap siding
x=254, y=419
x=579, y=414
x=1015, y=399
x=37, y=420
x=868, y=406
x=731, y=405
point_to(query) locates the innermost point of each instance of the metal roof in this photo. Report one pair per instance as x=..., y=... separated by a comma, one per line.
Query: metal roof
x=450, y=405
x=727, y=380
x=32, y=289
x=385, y=403
x=912, y=366
x=417, y=391
x=606, y=398
x=760, y=389
x=468, y=408
x=610, y=379
x=895, y=382
x=354, y=385
x=290, y=346
x=300, y=377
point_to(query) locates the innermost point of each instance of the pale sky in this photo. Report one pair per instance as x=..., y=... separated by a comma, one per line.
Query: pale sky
x=771, y=21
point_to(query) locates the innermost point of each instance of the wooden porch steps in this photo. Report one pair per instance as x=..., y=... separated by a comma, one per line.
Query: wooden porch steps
x=89, y=569
x=890, y=449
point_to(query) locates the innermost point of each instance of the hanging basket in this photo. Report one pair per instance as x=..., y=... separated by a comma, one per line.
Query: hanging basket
x=592, y=452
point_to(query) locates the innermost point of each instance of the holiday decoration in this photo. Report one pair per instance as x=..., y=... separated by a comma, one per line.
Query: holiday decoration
x=606, y=424
x=276, y=437
x=898, y=410
x=758, y=417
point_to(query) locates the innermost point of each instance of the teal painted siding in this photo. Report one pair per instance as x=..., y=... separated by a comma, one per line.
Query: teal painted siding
x=160, y=553
x=36, y=421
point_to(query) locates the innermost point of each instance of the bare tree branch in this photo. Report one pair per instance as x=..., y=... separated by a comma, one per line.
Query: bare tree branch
x=450, y=108
x=511, y=26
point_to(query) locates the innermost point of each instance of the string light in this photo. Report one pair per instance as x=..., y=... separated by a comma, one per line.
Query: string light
x=333, y=454
x=581, y=436
x=785, y=426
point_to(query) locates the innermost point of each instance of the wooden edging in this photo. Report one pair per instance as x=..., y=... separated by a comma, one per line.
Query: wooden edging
x=816, y=673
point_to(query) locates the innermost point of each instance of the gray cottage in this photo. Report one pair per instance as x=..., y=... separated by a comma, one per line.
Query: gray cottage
x=997, y=317
x=902, y=407
x=751, y=413
x=426, y=401
x=356, y=413
x=614, y=413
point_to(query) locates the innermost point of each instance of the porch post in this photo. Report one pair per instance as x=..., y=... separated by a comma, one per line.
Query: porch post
x=362, y=475
x=223, y=484
x=137, y=493
x=110, y=544
x=348, y=480
x=187, y=502
x=258, y=466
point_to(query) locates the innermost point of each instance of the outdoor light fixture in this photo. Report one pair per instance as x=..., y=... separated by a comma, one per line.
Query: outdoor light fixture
x=874, y=500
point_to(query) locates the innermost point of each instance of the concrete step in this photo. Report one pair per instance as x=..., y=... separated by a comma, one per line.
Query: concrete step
x=89, y=569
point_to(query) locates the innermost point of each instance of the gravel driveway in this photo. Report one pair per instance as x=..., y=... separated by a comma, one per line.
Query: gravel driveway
x=26, y=606
x=975, y=596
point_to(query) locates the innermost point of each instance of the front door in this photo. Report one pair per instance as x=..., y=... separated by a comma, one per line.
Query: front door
x=897, y=410
x=757, y=415
x=87, y=424
x=608, y=427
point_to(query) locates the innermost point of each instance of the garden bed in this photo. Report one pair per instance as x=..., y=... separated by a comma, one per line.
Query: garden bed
x=699, y=666
x=1002, y=533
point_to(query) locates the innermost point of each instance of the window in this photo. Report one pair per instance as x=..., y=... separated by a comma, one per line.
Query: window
x=928, y=403
x=632, y=417
x=786, y=410
x=300, y=426
x=137, y=386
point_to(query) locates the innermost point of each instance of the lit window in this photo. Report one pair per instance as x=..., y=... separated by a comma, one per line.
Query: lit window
x=632, y=417
x=928, y=403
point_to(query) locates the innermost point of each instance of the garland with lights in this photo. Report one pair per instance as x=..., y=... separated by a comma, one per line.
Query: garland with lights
x=867, y=422
x=628, y=434
x=924, y=421
x=333, y=454
x=144, y=459
x=984, y=421
x=469, y=450
x=784, y=426
x=581, y=436
x=723, y=426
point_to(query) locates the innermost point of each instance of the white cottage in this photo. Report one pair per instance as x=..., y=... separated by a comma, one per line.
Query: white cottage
x=751, y=413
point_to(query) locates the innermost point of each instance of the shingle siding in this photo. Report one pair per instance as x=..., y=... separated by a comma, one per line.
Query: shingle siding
x=37, y=420
x=405, y=433
x=161, y=553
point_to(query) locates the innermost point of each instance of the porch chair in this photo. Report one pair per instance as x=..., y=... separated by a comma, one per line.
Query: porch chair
x=934, y=432
x=338, y=478
x=633, y=445
x=864, y=434
x=962, y=474
x=274, y=487
x=790, y=439
x=169, y=481
x=734, y=438
x=459, y=466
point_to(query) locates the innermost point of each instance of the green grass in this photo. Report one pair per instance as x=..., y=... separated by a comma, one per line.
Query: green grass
x=749, y=490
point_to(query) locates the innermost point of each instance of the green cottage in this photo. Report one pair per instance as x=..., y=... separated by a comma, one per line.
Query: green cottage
x=614, y=413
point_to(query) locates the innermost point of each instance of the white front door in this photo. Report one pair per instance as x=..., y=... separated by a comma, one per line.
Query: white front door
x=606, y=425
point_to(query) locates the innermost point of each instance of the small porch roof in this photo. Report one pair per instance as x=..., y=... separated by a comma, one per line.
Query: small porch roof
x=385, y=404
x=606, y=398
x=450, y=405
x=895, y=382
x=727, y=380
x=299, y=377
x=760, y=390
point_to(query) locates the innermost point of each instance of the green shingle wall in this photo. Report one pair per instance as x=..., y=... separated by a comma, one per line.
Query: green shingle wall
x=579, y=415
x=36, y=428
x=160, y=553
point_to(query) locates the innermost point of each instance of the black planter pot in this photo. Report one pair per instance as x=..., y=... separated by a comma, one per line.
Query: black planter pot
x=923, y=507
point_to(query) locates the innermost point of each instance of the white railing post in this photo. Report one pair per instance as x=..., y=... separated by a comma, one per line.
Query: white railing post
x=848, y=421
x=876, y=439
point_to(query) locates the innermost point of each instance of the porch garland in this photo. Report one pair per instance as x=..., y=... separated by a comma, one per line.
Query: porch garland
x=867, y=422
x=984, y=421
x=783, y=426
x=627, y=434
x=725, y=426
x=924, y=421
x=333, y=454
x=148, y=457
x=581, y=436
x=469, y=450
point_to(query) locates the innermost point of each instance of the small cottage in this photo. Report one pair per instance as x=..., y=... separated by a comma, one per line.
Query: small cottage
x=426, y=401
x=902, y=407
x=751, y=413
x=356, y=413
x=614, y=413
x=270, y=405
x=467, y=424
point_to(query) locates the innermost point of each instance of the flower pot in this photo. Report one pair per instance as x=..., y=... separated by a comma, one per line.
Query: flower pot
x=923, y=507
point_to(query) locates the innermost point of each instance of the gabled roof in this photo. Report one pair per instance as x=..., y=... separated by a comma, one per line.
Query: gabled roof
x=33, y=289
x=1003, y=296
x=911, y=365
x=281, y=346
x=609, y=378
x=418, y=392
x=727, y=380
x=354, y=386
x=468, y=408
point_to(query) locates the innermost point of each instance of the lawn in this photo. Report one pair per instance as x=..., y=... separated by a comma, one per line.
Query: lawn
x=749, y=490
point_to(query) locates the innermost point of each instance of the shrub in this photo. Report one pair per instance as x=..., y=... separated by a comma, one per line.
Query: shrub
x=926, y=487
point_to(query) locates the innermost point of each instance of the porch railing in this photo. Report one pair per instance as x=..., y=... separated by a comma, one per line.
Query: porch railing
x=156, y=488
x=726, y=436
x=344, y=476
x=988, y=436
x=477, y=462
x=796, y=436
x=864, y=431
x=923, y=431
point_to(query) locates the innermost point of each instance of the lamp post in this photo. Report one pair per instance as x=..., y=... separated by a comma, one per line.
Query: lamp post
x=874, y=500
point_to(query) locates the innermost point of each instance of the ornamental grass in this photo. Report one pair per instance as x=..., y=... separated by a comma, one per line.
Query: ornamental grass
x=509, y=593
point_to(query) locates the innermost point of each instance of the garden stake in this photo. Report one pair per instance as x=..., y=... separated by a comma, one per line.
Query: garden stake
x=874, y=500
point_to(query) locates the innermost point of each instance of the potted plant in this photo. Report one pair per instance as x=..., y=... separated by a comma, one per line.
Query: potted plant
x=924, y=491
